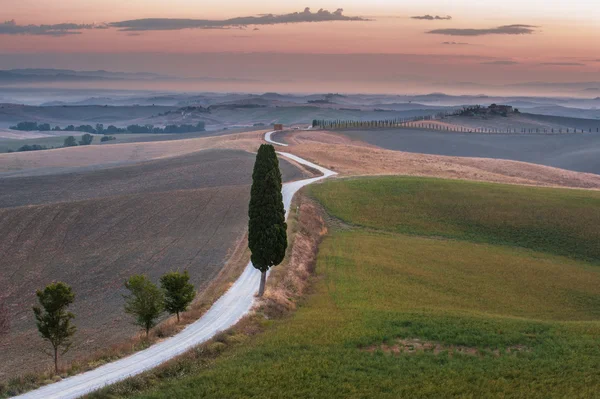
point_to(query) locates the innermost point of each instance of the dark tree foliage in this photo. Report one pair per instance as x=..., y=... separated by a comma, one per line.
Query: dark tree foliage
x=31, y=147
x=107, y=138
x=99, y=129
x=267, y=236
x=70, y=142
x=52, y=319
x=145, y=301
x=179, y=293
x=86, y=139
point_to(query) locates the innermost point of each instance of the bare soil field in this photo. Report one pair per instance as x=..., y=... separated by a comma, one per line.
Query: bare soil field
x=93, y=230
x=354, y=157
x=577, y=152
x=94, y=156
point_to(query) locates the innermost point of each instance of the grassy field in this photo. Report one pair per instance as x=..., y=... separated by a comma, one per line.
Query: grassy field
x=422, y=298
x=562, y=222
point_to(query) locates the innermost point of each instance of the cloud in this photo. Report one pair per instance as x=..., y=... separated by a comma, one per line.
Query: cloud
x=11, y=28
x=500, y=62
x=432, y=18
x=156, y=24
x=562, y=64
x=500, y=30
x=456, y=43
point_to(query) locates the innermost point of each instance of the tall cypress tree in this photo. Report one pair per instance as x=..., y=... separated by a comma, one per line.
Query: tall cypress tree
x=267, y=236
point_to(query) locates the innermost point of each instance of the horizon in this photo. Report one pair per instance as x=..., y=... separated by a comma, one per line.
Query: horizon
x=352, y=47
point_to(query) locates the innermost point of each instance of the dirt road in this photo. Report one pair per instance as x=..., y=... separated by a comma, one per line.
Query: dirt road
x=230, y=308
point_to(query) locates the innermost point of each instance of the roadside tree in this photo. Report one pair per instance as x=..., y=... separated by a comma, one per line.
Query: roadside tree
x=267, y=236
x=52, y=318
x=145, y=301
x=178, y=291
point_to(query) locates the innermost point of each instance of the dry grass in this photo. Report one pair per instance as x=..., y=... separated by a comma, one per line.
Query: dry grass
x=411, y=346
x=352, y=157
x=290, y=282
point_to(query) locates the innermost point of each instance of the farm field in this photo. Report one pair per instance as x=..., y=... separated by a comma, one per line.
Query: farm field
x=410, y=300
x=356, y=157
x=94, y=229
x=85, y=158
x=577, y=152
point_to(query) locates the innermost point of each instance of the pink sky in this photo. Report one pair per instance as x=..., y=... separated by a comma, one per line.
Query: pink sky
x=564, y=45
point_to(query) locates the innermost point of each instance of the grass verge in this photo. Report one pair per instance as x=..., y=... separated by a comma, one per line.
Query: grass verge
x=397, y=314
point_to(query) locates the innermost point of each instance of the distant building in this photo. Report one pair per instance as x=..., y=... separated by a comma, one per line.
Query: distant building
x=278, y=126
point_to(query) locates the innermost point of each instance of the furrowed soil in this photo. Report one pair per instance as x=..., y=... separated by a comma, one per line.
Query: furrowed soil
x=421, y=294
x=94, y=229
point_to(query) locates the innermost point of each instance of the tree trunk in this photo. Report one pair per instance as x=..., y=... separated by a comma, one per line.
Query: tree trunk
x=56, y=360
x=178, y=317
x=263, y=278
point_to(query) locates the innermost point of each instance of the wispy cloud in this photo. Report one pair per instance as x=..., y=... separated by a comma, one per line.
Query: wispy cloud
x=11, y=28
x=154, y=24
x=500, y=62
x=432, y=18
x=562, y=64
x=158, y=24
x=500, y=30
x=456, y=43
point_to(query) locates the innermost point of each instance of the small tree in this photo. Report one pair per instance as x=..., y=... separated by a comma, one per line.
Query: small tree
x=179, y=293
x=267, y=236
x=86, y=139
x=70, y=142
x=52, y=319
x=145, y=301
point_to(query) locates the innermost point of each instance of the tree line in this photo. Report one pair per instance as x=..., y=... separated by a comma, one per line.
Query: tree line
x=111, y=129
x=417, y=123
x=146, y=302
x=70, y=141
x=348, y=123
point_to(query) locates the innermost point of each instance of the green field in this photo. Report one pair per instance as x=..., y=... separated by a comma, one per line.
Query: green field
x=432, y=288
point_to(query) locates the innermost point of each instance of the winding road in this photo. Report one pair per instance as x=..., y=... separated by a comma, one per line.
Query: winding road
x=224, y=313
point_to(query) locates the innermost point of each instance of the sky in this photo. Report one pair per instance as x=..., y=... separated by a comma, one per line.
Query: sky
x=370, y=46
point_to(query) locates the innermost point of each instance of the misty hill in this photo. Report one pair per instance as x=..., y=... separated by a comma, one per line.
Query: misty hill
x=67, y=75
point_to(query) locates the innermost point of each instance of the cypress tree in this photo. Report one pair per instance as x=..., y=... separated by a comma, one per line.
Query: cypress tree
x=267, y=236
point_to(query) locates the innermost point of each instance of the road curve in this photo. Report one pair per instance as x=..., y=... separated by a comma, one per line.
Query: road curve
x=225, y=312
x=268, y=139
